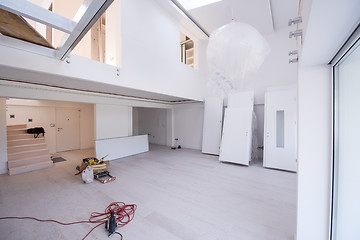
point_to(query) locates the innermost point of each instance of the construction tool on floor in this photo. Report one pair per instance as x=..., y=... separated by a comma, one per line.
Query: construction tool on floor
x=104, y=177
x=87, y=175
x=99, y=168
x=111, y=225
x=94, y=160
x=96, y=164
x=116, y=215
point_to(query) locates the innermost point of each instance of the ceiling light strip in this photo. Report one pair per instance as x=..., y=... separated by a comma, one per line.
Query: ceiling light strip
x=183, y=10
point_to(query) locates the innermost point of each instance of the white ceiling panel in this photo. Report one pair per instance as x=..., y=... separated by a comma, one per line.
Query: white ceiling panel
x=254, y=12
x=266, y=16
x=283, y=10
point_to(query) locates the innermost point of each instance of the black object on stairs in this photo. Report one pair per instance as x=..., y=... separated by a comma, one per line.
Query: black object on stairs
x=36, y=131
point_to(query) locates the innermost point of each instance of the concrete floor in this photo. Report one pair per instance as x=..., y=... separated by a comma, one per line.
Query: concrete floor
x=180, y=194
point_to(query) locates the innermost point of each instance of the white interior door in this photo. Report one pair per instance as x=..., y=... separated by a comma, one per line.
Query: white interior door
x=236, y=137
x=213, y=114
x=280, y=134
x=67, y=129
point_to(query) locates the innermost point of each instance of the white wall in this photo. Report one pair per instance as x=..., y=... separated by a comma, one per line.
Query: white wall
x=113, y=39
x=314, y=152
x=112, y=121
x=276, y=70
x=146, y=47
x=43, y=113
x=153, y=121
x=188, y=124
x=3, y=143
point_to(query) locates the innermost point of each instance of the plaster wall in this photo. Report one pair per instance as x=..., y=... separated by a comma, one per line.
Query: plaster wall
x=112, y=121
x=314, y=152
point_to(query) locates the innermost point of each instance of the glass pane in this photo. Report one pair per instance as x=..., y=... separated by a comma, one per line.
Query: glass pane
x=346, y=202
x=280, y=129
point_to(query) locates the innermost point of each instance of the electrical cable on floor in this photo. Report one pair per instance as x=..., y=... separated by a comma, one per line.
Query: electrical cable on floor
x=123, y=213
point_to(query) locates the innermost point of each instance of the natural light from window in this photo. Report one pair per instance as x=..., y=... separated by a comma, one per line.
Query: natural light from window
x=191, y=4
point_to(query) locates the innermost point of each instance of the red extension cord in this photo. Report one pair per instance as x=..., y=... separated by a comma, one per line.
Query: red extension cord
x=124, y=214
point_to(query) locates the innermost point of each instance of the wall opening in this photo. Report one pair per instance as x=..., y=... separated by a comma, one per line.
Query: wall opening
x=46, y=114
x=153, y=122
x=187, y=50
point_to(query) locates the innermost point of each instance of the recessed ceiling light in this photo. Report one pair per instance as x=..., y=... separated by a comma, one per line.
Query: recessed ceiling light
x=191, y=4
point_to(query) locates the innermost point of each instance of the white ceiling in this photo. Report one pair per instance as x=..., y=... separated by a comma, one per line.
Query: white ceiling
x=265, y=15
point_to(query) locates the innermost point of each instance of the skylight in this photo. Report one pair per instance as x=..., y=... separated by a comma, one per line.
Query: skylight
x=191, y=4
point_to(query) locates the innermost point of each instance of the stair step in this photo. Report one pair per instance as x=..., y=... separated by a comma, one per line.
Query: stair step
x=29, y=147
x=30, y=167
x=19, y=142
x=21, y=136
x=17, y=126
x=16, y=131
x=28, y=160
x=24, y=154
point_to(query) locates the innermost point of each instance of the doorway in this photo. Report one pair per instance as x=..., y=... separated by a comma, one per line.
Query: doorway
x=153, y=122
x=67, y=129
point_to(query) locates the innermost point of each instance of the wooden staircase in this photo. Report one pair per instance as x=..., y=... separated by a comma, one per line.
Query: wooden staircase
x=26, y=153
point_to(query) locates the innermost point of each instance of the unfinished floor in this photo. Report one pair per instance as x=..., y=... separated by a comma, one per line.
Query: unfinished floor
x=180, y=194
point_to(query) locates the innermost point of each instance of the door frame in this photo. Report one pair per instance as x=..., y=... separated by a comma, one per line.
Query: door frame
x=56, y=126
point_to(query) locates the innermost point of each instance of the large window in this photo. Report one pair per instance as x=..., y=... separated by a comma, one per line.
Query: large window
x=346, y=165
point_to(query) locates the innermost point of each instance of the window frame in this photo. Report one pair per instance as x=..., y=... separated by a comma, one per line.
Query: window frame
x=348, y=47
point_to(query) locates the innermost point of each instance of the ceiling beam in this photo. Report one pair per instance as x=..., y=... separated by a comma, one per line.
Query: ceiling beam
x=26, y=46
x=89, y=12
x=271, y=15
x=186, y=13
x=38, y=14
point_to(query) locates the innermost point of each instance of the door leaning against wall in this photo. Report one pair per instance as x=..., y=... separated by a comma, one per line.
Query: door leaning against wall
x=67, y=129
